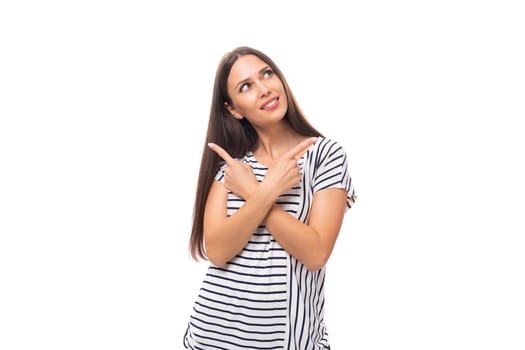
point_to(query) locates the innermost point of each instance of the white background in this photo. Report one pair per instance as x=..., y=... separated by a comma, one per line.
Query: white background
x=104, y=107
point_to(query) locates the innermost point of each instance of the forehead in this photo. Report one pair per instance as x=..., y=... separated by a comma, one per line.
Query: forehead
x=245, y=67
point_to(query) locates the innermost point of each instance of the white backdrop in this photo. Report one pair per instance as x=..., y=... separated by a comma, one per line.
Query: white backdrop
x=104, y=106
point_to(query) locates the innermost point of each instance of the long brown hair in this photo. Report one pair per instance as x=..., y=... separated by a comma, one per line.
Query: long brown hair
x=237, y=137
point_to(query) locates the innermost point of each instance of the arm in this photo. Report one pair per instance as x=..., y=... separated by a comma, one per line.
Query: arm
x=311, y=243
x=225, y=236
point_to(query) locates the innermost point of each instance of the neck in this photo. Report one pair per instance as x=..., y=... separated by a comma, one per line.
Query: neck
x=274, y=144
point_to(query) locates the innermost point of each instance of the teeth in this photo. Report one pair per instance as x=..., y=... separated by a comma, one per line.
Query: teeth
x=270, y=104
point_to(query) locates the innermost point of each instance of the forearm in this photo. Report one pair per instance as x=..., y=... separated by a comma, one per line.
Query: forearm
x=298, y=239
x=228, y=237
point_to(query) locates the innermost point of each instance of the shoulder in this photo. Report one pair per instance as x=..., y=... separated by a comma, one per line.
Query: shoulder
x=323, y=142
x=326, y=148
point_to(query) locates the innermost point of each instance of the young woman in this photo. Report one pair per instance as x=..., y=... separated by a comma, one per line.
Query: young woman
x=270, y=201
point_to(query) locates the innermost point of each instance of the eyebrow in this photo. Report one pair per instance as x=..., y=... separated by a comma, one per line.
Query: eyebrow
x=247, y=79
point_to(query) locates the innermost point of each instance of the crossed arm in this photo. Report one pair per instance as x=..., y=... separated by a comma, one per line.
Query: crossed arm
x=310, y=243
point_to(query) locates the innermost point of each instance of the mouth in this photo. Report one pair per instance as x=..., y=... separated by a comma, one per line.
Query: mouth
x=270, y=104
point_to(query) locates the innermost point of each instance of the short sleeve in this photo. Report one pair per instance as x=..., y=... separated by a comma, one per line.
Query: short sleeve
x=331, y=165
x=220, y=173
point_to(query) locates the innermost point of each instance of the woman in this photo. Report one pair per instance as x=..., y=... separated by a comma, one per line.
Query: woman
x=270, y=201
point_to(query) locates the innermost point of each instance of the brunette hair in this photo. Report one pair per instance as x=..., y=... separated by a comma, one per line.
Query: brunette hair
x=237, y=137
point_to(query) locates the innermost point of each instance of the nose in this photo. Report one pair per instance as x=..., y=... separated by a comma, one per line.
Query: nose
x=264, y=90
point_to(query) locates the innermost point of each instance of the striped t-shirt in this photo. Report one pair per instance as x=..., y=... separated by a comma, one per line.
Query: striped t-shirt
x=263, y=298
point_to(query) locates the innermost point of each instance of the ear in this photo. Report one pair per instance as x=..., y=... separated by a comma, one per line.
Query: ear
x=232, y=110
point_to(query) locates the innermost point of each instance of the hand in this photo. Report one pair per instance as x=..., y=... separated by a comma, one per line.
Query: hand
x=238, y=177
x=283, y=173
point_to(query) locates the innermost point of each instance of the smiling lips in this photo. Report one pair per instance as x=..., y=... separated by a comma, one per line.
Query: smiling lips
x=270, y=104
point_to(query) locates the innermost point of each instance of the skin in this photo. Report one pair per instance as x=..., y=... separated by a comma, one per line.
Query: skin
x=258, y=95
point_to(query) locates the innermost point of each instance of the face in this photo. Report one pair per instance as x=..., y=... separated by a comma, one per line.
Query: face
x=256, y=92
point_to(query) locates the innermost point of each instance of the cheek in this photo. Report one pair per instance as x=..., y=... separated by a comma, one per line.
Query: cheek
x=245, y=101
x=284, y=97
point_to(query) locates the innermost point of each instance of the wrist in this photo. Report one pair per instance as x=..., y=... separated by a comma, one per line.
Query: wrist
x=266, y=191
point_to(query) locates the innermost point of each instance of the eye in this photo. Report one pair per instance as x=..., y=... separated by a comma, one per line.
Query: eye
x=244, y=87
x=268, y=73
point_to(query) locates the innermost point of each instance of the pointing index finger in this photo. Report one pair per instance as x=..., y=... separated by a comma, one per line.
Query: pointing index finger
x=221, y=152
x=298, y=150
